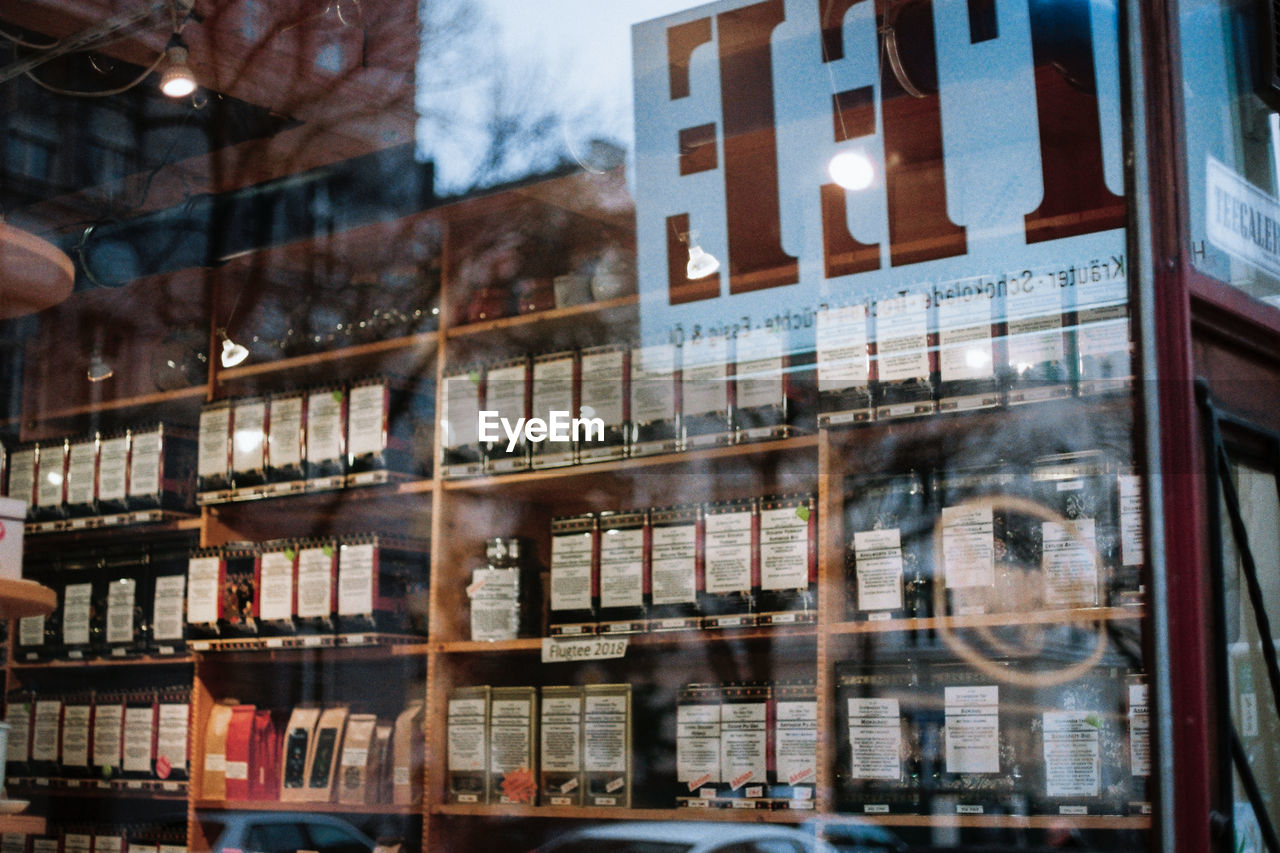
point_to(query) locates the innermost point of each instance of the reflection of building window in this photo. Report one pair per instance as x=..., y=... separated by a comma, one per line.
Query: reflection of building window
x=28, y=155
x=106, y=163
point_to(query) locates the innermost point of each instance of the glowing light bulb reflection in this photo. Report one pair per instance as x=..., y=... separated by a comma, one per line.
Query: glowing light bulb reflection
x=852, y=170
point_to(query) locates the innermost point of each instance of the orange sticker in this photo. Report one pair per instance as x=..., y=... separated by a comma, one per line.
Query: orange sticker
x=519, y=786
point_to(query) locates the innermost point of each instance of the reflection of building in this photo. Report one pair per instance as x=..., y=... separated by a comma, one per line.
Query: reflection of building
x=1038, y=234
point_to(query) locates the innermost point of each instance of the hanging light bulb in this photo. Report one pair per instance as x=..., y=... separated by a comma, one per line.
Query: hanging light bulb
x=177, y=81
x=232, y=352
x=852, y=170
x=701, y=263
x=99, y=368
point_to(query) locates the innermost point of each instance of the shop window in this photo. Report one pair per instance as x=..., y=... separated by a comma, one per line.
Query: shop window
x=1233, y=148
x=1246, y=466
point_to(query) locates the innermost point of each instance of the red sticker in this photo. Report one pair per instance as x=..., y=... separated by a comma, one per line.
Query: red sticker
x=163, y=767
x=1, y=529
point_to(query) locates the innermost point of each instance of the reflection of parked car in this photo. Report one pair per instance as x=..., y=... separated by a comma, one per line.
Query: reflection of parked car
x=857, y=837
x=274, y=832
x=686, y=837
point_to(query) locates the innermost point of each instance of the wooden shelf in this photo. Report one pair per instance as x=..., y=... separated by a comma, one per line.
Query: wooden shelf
x=996, y=821
x=1083, y=615
x=144, y=661
x=159, y=398
x=151, y=789
x=368, y=356
x=657, y=640
x=795, y=816
x=19, y=598
x=96, y=527
x=553, y=315
x=308, y=808
x=535, y=481
x=27, y=824
x=328, y=653
x=595, y=813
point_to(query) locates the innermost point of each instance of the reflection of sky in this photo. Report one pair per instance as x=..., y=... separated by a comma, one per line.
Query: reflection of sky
x=583, y=50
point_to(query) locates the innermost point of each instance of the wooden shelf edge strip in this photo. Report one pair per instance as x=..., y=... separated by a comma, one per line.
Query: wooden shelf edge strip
x=425, y=340
x=145, y=660
x=781, y=633
x=782, y=445
x=992, y=620
x=794, y=816
x=310, y=807
x=194, y=392
x=535, y=317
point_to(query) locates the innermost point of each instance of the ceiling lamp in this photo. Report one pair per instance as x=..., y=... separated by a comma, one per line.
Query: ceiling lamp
x=701, y=264
x=232, y=352
x=177, y=81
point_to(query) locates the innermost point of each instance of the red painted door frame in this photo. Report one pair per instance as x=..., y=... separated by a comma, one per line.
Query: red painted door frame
x=1192, y=314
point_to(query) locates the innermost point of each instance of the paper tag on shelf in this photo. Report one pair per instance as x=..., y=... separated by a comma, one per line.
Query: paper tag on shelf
x=555, y=650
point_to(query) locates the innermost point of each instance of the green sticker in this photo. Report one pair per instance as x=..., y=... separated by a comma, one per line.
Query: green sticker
x=474, y=376
x=802, y=512
x=289, y=553
x=328, y=550
x=337, y=396
x=1093, y=720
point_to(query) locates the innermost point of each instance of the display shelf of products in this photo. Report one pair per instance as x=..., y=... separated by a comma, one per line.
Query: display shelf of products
x=1081, y=615
x=42, y=786
x=304, y=808
x=333, y=668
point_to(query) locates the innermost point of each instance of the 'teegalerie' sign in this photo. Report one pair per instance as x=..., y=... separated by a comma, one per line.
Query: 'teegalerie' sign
x=1243, y=221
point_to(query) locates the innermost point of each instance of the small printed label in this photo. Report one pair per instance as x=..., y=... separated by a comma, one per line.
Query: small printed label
x=555, y=650
x=570, y=786
x=1073, y=810
x=966, y=809
x=614, y=785
x=875, y=808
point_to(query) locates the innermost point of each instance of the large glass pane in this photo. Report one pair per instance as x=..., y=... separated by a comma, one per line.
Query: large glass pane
x=1254, y=714
x=636, y=425
x=1233, y=145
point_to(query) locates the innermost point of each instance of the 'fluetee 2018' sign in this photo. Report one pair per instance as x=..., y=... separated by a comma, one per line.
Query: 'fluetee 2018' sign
x=992, y=128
